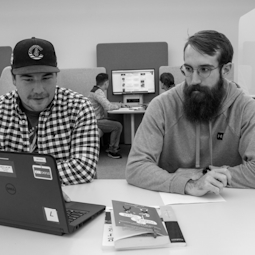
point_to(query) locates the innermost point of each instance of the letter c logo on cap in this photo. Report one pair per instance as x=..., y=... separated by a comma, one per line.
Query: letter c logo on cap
x=34, y=52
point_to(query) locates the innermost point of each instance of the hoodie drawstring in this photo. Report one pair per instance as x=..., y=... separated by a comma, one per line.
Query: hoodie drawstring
x=210, y=142
x=198, y=144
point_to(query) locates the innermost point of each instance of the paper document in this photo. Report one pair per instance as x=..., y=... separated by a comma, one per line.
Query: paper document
x=108, y=238
x=171, y=199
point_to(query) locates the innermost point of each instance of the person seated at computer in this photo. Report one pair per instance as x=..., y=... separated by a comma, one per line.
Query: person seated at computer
x=40, y=117
x=101, y=104
x=167, y=81
x=199, y=137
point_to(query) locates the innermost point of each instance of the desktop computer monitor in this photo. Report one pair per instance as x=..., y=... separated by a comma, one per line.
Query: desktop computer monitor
x=133, y=84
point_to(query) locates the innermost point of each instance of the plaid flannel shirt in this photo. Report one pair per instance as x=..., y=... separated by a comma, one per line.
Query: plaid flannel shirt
x=67, y=129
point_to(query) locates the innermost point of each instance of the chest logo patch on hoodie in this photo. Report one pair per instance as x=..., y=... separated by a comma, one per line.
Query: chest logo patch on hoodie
x=220, y=136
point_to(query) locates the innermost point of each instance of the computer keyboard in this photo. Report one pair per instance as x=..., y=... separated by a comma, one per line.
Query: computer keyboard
x=74, y=214
x=132, y=108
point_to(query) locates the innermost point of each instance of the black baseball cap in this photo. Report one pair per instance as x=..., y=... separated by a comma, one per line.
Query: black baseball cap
x=34, y=56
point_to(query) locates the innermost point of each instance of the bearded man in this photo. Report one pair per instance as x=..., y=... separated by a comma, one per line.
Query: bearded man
x=198, y=137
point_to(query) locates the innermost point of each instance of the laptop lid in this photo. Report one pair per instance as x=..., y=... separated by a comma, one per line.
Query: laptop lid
x=31, y=195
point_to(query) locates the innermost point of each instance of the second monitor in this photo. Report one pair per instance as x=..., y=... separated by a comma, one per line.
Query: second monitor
x=133, y=83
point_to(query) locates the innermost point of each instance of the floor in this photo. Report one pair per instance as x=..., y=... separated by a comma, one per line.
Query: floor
x=109, y=168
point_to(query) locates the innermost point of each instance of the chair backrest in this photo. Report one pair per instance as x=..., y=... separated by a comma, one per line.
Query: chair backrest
x=79, y=79
x=6, y=84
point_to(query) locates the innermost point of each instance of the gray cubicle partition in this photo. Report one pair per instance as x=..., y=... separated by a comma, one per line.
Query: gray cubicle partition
x=5, y=57
x=132, y=56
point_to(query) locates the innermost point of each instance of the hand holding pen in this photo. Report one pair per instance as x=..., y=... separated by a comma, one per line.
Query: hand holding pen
x=219, y=170
x=222, y=169
x=214, y=179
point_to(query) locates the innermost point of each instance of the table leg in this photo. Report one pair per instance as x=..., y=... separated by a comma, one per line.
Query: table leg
x=132, y=127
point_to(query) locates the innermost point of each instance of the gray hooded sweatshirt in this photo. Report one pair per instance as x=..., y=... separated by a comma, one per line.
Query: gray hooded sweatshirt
x=166, y=142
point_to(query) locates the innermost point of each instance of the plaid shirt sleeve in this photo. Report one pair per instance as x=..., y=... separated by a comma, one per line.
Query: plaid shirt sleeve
x=80, y=166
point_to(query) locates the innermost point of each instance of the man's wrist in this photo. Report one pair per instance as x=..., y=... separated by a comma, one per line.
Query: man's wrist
x=188, y=187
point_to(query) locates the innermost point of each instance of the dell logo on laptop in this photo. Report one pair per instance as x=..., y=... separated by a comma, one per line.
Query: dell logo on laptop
x=10, y=189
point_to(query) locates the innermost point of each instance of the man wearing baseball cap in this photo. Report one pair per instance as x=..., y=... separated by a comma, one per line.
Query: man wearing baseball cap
x=40, y=117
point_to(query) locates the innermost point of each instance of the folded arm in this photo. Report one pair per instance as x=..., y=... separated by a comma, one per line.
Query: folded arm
x=80, y=167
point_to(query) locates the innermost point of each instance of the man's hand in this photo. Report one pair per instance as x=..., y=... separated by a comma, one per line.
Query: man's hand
x=213, y=181
x=122, y=105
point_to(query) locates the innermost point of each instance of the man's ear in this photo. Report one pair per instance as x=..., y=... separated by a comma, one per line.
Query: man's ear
x=105, y=85
x=14, y=79
x=226, y=69
x=57, y=77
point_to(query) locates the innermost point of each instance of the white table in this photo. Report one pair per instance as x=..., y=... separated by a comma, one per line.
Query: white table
x=132, y=116
x=209, y=229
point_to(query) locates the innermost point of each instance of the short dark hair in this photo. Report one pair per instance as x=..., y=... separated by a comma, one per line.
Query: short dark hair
x=210, y=42
x=167, y=79
x=101, y=78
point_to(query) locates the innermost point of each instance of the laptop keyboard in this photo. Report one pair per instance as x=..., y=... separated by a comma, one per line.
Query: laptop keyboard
x=74, y=214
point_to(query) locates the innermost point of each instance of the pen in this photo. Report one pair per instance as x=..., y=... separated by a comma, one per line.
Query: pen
x=205, y=170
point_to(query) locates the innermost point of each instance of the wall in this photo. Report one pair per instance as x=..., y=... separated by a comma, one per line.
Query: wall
x=76, y=27
x=246, y=52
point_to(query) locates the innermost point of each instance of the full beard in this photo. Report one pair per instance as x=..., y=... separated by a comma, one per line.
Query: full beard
x=202, y=103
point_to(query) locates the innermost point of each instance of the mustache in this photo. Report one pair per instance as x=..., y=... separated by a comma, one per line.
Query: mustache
x=196, y=87
x=38, y=96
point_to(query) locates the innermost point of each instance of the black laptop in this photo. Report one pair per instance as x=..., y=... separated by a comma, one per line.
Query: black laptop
x=31, y=196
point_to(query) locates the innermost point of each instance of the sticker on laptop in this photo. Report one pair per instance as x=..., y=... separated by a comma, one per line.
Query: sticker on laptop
x=51, y=214
x=42, y=172
x=39, y=159
x=7, y=167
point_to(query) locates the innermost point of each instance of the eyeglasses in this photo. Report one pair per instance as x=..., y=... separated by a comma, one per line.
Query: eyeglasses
x=203, y=72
